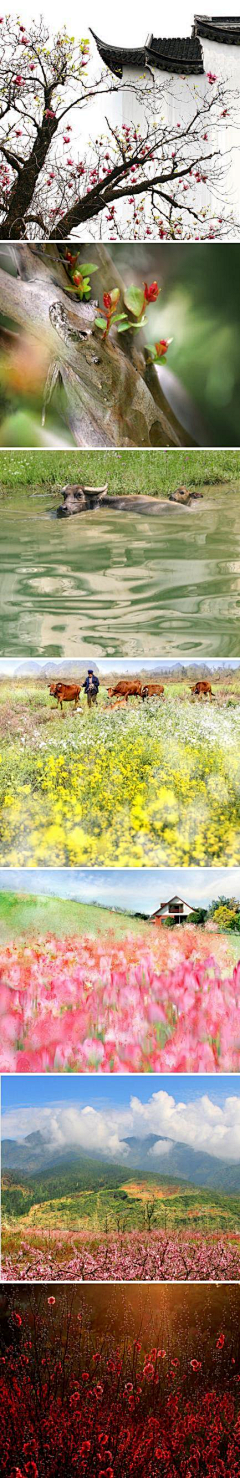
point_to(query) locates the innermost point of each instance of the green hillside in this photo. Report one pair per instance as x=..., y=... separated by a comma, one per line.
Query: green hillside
x=24, y=914
x=99, y=1197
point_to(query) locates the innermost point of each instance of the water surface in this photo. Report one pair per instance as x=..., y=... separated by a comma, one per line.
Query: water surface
x=120, y=584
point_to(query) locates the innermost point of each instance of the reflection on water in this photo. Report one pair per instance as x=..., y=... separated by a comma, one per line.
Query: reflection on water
x=123, y=585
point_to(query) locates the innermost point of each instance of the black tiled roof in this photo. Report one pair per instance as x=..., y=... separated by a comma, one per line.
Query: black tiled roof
x=176, y=55
x=218, y=28
x=180, y=54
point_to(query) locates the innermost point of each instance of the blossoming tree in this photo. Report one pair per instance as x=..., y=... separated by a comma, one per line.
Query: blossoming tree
x=127, y=182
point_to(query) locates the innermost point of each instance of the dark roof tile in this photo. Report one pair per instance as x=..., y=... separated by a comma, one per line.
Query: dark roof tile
x=218, y=28
x=117, y=57
x=174, y=55
x=178, y=54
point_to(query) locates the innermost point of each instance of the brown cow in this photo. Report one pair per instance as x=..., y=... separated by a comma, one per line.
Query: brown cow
x=126, y=688
x=202, y=690
x=152, y=689
x=65, y=693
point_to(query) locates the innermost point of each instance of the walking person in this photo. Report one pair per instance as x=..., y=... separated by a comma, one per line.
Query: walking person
x=91, y=687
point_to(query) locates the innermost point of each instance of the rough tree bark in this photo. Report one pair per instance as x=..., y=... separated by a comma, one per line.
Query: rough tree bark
x=109, y=395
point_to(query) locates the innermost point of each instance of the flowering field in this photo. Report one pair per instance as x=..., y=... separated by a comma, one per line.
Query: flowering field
x=168, y=1001
x=77, y=1401
x=149, y=784
x=187, y=1257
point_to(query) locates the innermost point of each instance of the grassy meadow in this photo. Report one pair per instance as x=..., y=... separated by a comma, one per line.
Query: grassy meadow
x=153, y=472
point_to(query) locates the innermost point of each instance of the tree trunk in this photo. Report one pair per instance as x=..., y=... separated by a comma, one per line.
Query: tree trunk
x=23, y=188
x=109, y=395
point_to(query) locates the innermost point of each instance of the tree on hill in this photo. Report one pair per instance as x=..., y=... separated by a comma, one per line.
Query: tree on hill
x=49, y=191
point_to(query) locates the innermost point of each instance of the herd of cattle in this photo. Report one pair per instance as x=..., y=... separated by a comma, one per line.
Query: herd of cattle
x=124, y=689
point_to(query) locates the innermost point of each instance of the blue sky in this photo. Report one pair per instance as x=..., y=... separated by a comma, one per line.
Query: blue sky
x=136, y=889
x=40, y=1089
x=202, y=1112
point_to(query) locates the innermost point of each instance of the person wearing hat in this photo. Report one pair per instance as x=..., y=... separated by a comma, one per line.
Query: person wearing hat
x=91, y=687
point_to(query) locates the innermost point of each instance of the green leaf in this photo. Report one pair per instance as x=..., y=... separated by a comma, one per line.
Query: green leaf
x=115, y=295
x=123, y=327
x=134, y=300
x=72, y=290
x=100, y=322
x=86, y=268
x=117, y=316
x=137, y=326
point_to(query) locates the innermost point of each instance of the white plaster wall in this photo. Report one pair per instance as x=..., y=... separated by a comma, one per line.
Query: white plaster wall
x=225, y=62
x=179, y=95
x=172, y=98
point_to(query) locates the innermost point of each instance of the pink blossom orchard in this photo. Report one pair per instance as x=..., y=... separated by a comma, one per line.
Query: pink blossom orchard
x=165, y=1003
x=123, y=1257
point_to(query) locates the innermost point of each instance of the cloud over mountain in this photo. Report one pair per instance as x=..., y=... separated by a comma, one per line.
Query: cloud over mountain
x=201, y=1124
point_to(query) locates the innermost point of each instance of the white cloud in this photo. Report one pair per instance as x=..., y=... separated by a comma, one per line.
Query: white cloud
x=162, y=1147
x=201, y=1123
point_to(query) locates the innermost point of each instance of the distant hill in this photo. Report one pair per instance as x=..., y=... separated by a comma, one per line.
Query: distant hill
x=33, y=1155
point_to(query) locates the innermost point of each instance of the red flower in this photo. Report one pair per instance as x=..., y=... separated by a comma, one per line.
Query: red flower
x=51, y=1301
x=196, y=1364
x=77, y=279
x=107, y=301
x=220, y=1342
x=17, y=1319
x=162, y=347
x=151, y=293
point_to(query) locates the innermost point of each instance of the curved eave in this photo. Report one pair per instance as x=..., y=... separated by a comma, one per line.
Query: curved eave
x=174, y=64
x=227, y=34
x=117, y=57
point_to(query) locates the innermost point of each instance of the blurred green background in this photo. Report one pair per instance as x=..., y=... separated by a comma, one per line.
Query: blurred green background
x=199, y=307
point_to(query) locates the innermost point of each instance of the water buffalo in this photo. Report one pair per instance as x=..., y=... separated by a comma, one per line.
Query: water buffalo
x=78, y=498
x=65, y=692
x=183, y=495
x=202, y=689
x=152, y=690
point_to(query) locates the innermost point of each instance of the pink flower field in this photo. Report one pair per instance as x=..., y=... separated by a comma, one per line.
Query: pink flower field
x=166, y=1003
x=124, y=1258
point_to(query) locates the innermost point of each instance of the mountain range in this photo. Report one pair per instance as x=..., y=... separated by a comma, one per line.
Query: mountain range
x=181, y=1162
